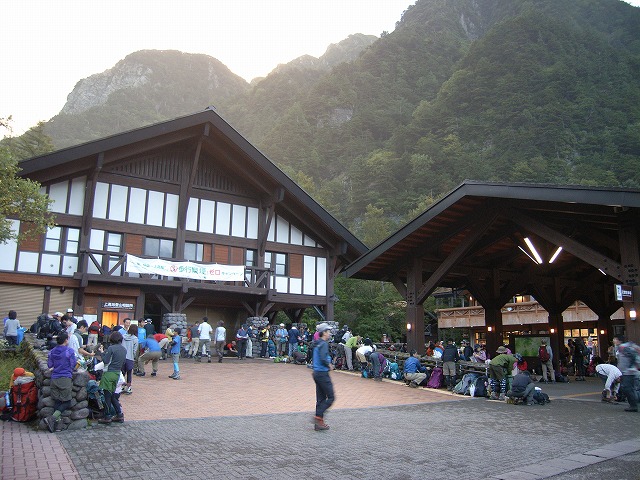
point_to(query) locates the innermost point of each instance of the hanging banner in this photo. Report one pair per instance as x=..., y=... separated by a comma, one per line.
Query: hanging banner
x=196, y=271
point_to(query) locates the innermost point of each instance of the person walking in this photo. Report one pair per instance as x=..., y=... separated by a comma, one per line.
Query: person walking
x=220, y=336
x=321, y=367
x=195, y=339
x=628, y=363
x=204, y=335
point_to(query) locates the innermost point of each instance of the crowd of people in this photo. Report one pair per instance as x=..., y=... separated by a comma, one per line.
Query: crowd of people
x=113, y=355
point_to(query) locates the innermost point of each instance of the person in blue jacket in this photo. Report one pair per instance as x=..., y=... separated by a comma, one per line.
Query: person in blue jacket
x=321, y=367
x=413, y=370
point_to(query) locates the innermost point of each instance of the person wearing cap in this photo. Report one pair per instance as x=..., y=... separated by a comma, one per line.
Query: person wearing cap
x=282, y=337
x=321, y=367
x=71, y=316
x=499, y=367
x=545, y=355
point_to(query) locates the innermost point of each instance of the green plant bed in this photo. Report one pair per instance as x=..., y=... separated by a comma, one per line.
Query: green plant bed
x=10, y=359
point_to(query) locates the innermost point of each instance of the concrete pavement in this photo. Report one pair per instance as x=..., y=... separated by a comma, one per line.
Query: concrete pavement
x=252, y=419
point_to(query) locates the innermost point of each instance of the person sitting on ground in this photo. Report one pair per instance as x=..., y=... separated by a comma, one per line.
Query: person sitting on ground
x=299, y=356
x=413, y=370
x=498, y=368
x=523, y=387
x=612, y=377
x=230, y=348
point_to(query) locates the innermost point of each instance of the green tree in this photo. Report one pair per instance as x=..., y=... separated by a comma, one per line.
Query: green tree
x=20, y=198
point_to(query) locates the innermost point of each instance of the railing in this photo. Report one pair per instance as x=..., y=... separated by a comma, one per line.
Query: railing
x=255, y=277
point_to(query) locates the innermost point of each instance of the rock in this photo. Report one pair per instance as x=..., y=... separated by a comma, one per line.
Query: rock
x=81, y=395
x=47, y=374
x=45, y=391
x=45, y=412
x=80, y=379
x=74, y=402
x=78, y=414
x=46, y=381
x=80, y=405
x=78, y=424
x=48, y=402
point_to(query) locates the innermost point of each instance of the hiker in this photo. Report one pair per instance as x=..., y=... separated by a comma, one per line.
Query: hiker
x=220, y=336
x=281, y=340
x=62, y=360
x=115, y=357
x=195, y=339
x=612, y=377
x=11, y=326
x=264, y=341
x=130, y=343
x=628, y=363
x=498, y=368
x=151, y=354
x=175, y=345
x=321, y=367
x=204, y=334
x=413, y=370
x=545, y=355
x=450, y=359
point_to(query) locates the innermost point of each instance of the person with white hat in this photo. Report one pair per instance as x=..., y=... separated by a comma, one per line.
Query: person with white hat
x=282, y=338
x=321, y=367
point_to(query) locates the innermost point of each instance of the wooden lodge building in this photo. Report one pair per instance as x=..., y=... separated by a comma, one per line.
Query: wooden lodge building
x=187, y=189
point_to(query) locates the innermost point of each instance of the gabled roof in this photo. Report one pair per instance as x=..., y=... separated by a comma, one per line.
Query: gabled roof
x=586, y=215
x=218, y=138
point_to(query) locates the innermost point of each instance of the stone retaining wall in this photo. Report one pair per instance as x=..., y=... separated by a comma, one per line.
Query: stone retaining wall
x=72, y=419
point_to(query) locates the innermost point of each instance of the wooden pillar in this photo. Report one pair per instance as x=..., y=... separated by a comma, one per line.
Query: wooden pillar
x=630, y=261
x=604, y=322
x=493, y=321
x=415, y=311
x=556, y=339
x=140, y=306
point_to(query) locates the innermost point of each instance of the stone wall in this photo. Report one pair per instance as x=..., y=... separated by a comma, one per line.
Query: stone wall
x=72, y=419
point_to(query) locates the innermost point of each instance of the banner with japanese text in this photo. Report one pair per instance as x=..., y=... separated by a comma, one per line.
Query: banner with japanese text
x=196, y=271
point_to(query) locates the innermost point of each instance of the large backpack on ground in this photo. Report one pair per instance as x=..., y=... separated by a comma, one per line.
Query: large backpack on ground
x=24, y=399
x=392, y=371
x=481, y=386
x=436, y=378
x=541, y=398
x=465, y=384
x=95, y=397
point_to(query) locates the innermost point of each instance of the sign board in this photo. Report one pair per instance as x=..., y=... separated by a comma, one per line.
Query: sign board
x=118, y=306
x=196, y=271
x=624, y=293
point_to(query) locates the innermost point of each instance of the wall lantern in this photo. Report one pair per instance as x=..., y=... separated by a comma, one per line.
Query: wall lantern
x=601, y=332
x=408, y=327
x=553, y=330
x=489, y=329
x=632, y=313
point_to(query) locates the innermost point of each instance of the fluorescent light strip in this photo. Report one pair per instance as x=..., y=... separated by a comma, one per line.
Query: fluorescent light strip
x=602, y=272
x=555, y=255
x=533, y=250
x=527, y=254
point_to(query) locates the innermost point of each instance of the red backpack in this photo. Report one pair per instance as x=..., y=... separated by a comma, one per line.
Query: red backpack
x=24, y=398
x=543, y=354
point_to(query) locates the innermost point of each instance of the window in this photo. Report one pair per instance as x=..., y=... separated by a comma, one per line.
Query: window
x=62, y=240
x=158, y=247
x=250, y=258
x=277, y=262
x=193, y=251
x=114, y=242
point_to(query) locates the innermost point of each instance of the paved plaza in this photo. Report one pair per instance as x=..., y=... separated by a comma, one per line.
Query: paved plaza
x=252, y=420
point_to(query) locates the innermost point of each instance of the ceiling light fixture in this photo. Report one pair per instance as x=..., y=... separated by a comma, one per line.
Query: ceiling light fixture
x=555, y=255
x=527, y=254
x=533, y=250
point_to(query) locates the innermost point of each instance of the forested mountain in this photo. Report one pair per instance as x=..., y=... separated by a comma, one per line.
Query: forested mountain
x=508, y=90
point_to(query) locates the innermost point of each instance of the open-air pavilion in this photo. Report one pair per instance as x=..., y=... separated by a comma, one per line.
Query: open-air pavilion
x=499, y=240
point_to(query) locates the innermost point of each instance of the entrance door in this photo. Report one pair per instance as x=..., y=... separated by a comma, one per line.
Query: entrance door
x=110, y=319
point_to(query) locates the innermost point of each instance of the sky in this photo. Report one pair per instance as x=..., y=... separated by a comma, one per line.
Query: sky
x=48, y=46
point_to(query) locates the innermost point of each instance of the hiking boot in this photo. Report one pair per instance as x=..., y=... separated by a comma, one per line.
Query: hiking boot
x=378, y=379
x=630, y=409
x=208, y=359
x=153, y=374
x=198, y=359
x=140, y=374
x=105, y=420
x=177, y=377
x=319, y=424
x=493, y=397
x=172, y=375
x=529, y=404
x=128, y=390
x=51, y=423
x=59, y=424
x=501, y=397
x=413, y=385
x=220, y=360
x=118, y=418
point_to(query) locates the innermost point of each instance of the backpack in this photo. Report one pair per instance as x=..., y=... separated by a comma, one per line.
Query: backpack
x=541, y=398
x=481, y=386
x=436, y=378
x=392, y=370
x=95, y=397
x=543, y=354
x=24, y=399
x=94, y=327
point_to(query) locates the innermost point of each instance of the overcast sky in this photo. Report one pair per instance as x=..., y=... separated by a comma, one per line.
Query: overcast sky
x=49, y=45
